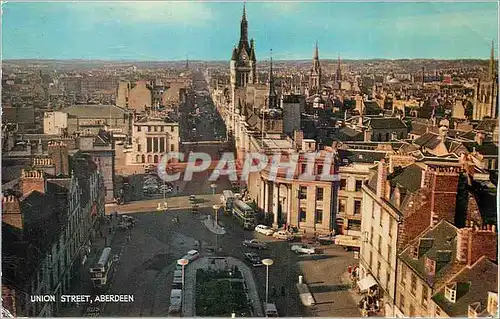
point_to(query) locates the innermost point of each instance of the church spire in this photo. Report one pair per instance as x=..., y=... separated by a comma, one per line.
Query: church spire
x=491, y=68
x=316, y=53
x=244, y=29
x=339, y=70
x=272, y=96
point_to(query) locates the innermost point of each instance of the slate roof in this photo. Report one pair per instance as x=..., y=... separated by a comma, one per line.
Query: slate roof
x=95, y=111
x=428, y=140
x=409, y=178
x=349, y=134
x=442, y=250
x=485, y=149
x=487, y=125
x=386, y=123
x=482, y=277
x=360, y=156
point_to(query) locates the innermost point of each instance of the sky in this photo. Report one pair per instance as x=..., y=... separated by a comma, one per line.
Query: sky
x=163, y=31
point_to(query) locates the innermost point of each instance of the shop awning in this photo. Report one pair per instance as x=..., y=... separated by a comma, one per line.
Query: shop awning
x=366, y=283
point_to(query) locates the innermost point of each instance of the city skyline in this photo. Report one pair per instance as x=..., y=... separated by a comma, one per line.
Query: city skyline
x=163, y=31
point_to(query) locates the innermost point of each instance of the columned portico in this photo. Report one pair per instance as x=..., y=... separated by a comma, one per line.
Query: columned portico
x=275, y=204
x=289, y=205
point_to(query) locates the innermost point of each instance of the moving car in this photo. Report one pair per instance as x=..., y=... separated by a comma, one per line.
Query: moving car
x=254, y=259
x=254, y=243
x=265, y=230
x=175, y=301
x=192, y=255
x=271, y=310
x=281, y=234
x=303, y=249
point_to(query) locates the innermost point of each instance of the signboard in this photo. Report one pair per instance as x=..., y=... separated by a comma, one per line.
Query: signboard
x=343, y=240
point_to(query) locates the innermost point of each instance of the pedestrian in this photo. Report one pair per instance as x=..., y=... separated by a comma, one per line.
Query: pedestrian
x=274, y=292
x=109, y=229
x=283, y=291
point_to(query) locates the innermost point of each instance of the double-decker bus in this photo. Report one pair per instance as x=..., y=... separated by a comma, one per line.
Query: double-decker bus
x=101, y=271
x=244, y=214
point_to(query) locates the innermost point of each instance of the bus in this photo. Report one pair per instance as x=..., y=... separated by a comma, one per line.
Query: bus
x=100, y=272
x=244, y=214
x=227, y=200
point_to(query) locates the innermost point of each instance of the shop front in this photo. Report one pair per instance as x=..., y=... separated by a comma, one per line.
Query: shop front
x=371, y=296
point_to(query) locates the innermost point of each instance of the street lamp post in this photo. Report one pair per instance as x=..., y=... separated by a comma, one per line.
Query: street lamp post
x=214, y=186
x=182, y=262
x=268, y=262
x=216, y=211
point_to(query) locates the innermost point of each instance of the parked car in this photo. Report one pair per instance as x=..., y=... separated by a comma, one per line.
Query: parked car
x=326, y=240
x=254, y=259
x=282, y=234
x=303, y=249
x=192, y=255
x=254, y=243
x=265, y=230
x=175, y=301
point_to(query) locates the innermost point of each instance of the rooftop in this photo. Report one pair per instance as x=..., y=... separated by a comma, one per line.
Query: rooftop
x=95, y=111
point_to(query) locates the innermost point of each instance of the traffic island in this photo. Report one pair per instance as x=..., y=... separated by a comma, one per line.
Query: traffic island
x=213, y=227
x=220, y=294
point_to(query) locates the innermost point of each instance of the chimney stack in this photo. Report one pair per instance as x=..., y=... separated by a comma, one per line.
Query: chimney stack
x=11, y=212
x=33, y=180
x=58, y=151
x=381, y=179
x=474, y=242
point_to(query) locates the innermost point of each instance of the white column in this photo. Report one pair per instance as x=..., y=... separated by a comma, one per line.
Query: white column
x=266, y=197
x=275, y=204
x=289, y=202
x=262, y=194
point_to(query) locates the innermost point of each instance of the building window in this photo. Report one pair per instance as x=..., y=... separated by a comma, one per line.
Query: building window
x=138, y=128
x=303, y=168
x=387, y=278
x=359, y=184
x=343, y=184
x=402, y=279
x=357, y=207
x=149, y=145
x=149, y=128
x=401, y=302
x=450, y=292
x=425, y=292
x=438, y=312
x=302, y=192
x=379, y=266
x=162, y=128
x=371, y=259
x=171, y=128
x=379, y=245
x=381, y=218
x=171, y=147
x=138, y=147
x=320, y=169
x=319, y=193
x=430, y=266
x=342, y=206
x=389, y=253
x=371, y=236
x=354, y=225
x=302, y=215
x=162, y=144
x=413, y=287
x=391, y=223
x=319, y=216
x=412, y=311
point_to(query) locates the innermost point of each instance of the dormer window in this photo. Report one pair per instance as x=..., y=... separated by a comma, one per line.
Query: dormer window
x=430, y=266
x=474, y=309
x=450, y=292
x=492, y=303
x=414, y=252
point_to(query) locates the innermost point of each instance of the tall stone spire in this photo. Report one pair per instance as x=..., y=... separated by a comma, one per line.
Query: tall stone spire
x=315, y=76
x=271, y=96
x=491, y=68
x=339, y=70
x=244, y=29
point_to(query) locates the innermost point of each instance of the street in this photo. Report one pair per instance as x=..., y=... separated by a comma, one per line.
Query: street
x=146, y=262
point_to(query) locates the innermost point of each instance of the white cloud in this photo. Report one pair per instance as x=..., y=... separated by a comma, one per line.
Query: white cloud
x=168, y=13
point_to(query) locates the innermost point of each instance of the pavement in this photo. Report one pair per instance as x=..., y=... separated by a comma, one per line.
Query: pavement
x=209, y=222
x=179, y=202
x=189, y=306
